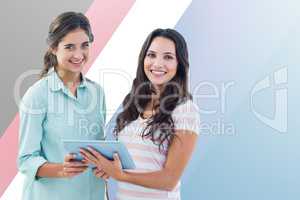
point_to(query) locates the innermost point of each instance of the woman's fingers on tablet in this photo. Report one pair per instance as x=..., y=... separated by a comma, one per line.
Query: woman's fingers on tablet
x=69, y=157
x=88, y=160
x=86, y=155
x=69, y=172
x=75, y=169
x=96, y=154
x=89, y=157
x=75, y=164
x=101, y=174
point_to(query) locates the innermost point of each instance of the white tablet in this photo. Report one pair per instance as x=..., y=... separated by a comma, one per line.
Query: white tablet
x=106, y=148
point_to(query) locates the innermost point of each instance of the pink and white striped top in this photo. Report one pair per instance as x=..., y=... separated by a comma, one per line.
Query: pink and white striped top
x=147, y=156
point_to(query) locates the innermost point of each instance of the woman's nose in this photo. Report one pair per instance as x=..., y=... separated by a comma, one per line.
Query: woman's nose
x=78, y=54
x=158, y=62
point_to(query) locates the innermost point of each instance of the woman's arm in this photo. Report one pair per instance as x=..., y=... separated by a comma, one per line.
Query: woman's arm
x=179, y=153
x=50, y=170
x=31, y=162
x=32, y=115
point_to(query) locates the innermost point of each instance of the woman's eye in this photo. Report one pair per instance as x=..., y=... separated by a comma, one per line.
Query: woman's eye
x=168, y=57
x=151, y=55
x=69, y=47
x=85, y=45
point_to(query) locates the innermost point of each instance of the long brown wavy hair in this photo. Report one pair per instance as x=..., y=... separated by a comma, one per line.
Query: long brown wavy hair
x=160, y=127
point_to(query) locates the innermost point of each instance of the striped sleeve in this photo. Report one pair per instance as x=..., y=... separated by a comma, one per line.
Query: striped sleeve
x=186, y=117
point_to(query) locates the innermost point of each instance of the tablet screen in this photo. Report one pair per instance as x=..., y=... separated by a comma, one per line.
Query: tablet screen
x=106, y=148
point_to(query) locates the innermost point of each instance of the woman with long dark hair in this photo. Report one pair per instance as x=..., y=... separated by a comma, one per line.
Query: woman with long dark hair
x=159, y=123
x=63, y=104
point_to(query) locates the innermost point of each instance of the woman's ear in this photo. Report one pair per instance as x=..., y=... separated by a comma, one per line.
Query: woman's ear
x=53, y=50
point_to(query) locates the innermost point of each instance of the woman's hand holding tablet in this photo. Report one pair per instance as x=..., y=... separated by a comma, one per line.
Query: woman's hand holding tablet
x=105, y=148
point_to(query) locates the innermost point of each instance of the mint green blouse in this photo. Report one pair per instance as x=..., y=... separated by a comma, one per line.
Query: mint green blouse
x=49, y=113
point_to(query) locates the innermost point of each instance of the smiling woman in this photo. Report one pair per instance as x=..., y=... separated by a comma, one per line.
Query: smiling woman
x=72, y=52
x=54, y=109
x=160, y=110
x=160, y=63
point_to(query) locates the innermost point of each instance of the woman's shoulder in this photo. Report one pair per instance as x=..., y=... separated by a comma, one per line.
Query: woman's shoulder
x=35, y=96
x=186, y=116
x=186, y=105
x=38, y=88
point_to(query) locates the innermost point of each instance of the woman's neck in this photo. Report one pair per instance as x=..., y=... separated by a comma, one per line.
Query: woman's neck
x=69, y=78
x=157, y=89
x=151, y=107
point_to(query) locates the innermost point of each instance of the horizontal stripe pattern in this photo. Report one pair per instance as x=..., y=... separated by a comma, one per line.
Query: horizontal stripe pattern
x=147, y=157
x=135, y=191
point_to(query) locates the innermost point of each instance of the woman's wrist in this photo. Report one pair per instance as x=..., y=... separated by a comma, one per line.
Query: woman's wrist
x=60, y=171
x=51, y=170
x=123, y=176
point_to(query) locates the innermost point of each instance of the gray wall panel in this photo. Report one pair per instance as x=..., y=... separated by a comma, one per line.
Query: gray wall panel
x=23, y=31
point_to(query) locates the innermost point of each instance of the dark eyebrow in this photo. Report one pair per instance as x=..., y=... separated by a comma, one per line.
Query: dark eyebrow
x=166, y=53
x=68, y=45
x=86, y=42
x=150, y=51
x=169, y=53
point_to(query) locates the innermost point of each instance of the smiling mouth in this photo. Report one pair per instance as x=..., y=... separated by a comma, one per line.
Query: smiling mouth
x=76, y=62
x=158, y=72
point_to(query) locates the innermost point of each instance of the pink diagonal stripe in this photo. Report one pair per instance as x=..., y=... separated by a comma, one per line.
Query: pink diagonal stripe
x=8, y=154
x=105, y=16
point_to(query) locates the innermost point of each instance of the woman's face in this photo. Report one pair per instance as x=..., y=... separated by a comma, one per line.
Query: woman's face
x=72, y=51
x=160, y=63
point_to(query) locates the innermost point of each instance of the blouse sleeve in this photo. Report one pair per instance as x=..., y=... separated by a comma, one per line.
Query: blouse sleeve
x=186, y=117
x=32, y=113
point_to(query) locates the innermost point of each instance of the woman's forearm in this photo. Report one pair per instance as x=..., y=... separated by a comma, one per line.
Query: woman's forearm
x=163, y=179
x=50, y=170
x=168, y=177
